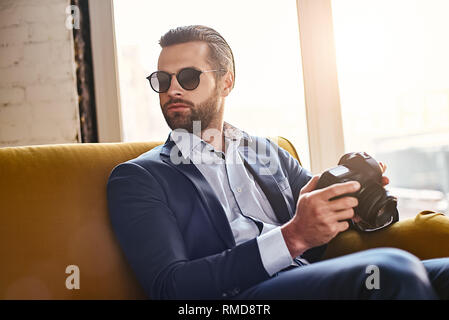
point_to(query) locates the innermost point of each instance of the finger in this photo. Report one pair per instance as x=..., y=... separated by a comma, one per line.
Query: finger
x=343, y=203
x=385, y=181
x=344, y=214
x=342, y=226
x=311, y=185
x=383, y=166
x=339, y=189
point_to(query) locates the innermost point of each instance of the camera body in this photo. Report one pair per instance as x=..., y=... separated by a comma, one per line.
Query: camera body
x=377, y=208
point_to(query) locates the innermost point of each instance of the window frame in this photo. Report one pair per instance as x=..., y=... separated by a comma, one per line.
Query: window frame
x=106, y=77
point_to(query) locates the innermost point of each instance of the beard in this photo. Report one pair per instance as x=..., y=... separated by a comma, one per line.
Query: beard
x=204, y=112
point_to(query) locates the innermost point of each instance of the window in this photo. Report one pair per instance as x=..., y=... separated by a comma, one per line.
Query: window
x=393, y=76
x=268, y=98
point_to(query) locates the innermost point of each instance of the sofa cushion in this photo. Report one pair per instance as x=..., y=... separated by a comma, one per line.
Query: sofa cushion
x=426, y=236
x=53, y=214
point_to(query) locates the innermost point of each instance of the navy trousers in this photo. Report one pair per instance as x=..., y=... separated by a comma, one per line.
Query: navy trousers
x=384, y=273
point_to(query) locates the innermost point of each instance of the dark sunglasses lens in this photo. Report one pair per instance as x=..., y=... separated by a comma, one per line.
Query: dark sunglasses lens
x=189, y=78
x=160, y=81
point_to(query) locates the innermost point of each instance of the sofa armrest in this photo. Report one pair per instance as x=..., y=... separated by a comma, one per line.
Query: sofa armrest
x=426, y=236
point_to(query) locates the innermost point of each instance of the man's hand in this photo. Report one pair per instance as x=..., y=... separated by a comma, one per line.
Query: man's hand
x=317, y=219
x=385, y=179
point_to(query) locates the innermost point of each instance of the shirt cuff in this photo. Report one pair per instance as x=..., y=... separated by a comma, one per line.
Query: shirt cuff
x=273, y=251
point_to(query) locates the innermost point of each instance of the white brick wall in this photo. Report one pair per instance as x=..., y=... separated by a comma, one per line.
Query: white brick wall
x=38, y=98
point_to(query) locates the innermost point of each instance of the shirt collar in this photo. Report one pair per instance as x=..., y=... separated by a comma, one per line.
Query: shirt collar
x=187, y=142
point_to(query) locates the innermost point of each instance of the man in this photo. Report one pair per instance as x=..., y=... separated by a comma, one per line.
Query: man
x=215, y=213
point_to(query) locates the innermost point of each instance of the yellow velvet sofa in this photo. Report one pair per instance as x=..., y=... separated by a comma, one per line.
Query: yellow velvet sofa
x=53, y=214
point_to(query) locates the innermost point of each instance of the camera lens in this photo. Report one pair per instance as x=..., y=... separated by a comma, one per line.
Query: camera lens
x=376, y=207
x=384, y=214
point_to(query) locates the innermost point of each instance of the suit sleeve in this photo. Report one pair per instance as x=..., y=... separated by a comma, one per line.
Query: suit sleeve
x=148, y=232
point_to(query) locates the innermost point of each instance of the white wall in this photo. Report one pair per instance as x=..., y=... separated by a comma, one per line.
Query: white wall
x=38, y=98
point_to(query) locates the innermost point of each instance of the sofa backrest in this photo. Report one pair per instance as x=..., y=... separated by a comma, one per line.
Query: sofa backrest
x=53, y=215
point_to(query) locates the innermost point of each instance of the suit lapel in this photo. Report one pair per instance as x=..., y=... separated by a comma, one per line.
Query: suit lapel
x=255, y=163
x=213, y=206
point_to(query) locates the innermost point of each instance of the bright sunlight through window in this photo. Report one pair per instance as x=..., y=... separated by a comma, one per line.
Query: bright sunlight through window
x=393, y=71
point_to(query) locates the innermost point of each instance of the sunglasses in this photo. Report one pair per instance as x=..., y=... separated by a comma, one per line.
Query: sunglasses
x=188, y=79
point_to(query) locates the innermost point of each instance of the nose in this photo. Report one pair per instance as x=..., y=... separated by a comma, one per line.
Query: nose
x=175, y=89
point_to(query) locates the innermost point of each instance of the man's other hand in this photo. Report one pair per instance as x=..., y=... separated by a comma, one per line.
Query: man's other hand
x=317, y=219
x=385, y=179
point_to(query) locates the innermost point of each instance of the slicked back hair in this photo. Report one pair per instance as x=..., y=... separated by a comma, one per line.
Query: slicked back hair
x=220, y=54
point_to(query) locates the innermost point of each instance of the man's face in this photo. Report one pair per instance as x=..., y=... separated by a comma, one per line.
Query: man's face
x=181, y=107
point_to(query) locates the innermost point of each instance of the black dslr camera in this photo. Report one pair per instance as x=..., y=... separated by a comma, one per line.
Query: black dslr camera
x=377, y=209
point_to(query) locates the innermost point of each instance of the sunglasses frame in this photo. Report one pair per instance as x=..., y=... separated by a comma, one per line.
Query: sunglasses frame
x=177, y=77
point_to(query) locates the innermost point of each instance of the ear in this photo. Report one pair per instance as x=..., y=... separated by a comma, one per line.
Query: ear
x=228, y=83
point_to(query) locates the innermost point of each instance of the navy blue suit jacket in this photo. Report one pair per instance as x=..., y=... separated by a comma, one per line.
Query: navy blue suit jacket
x=174, y=231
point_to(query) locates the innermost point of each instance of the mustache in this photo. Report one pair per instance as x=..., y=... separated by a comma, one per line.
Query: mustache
x=177, y=100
